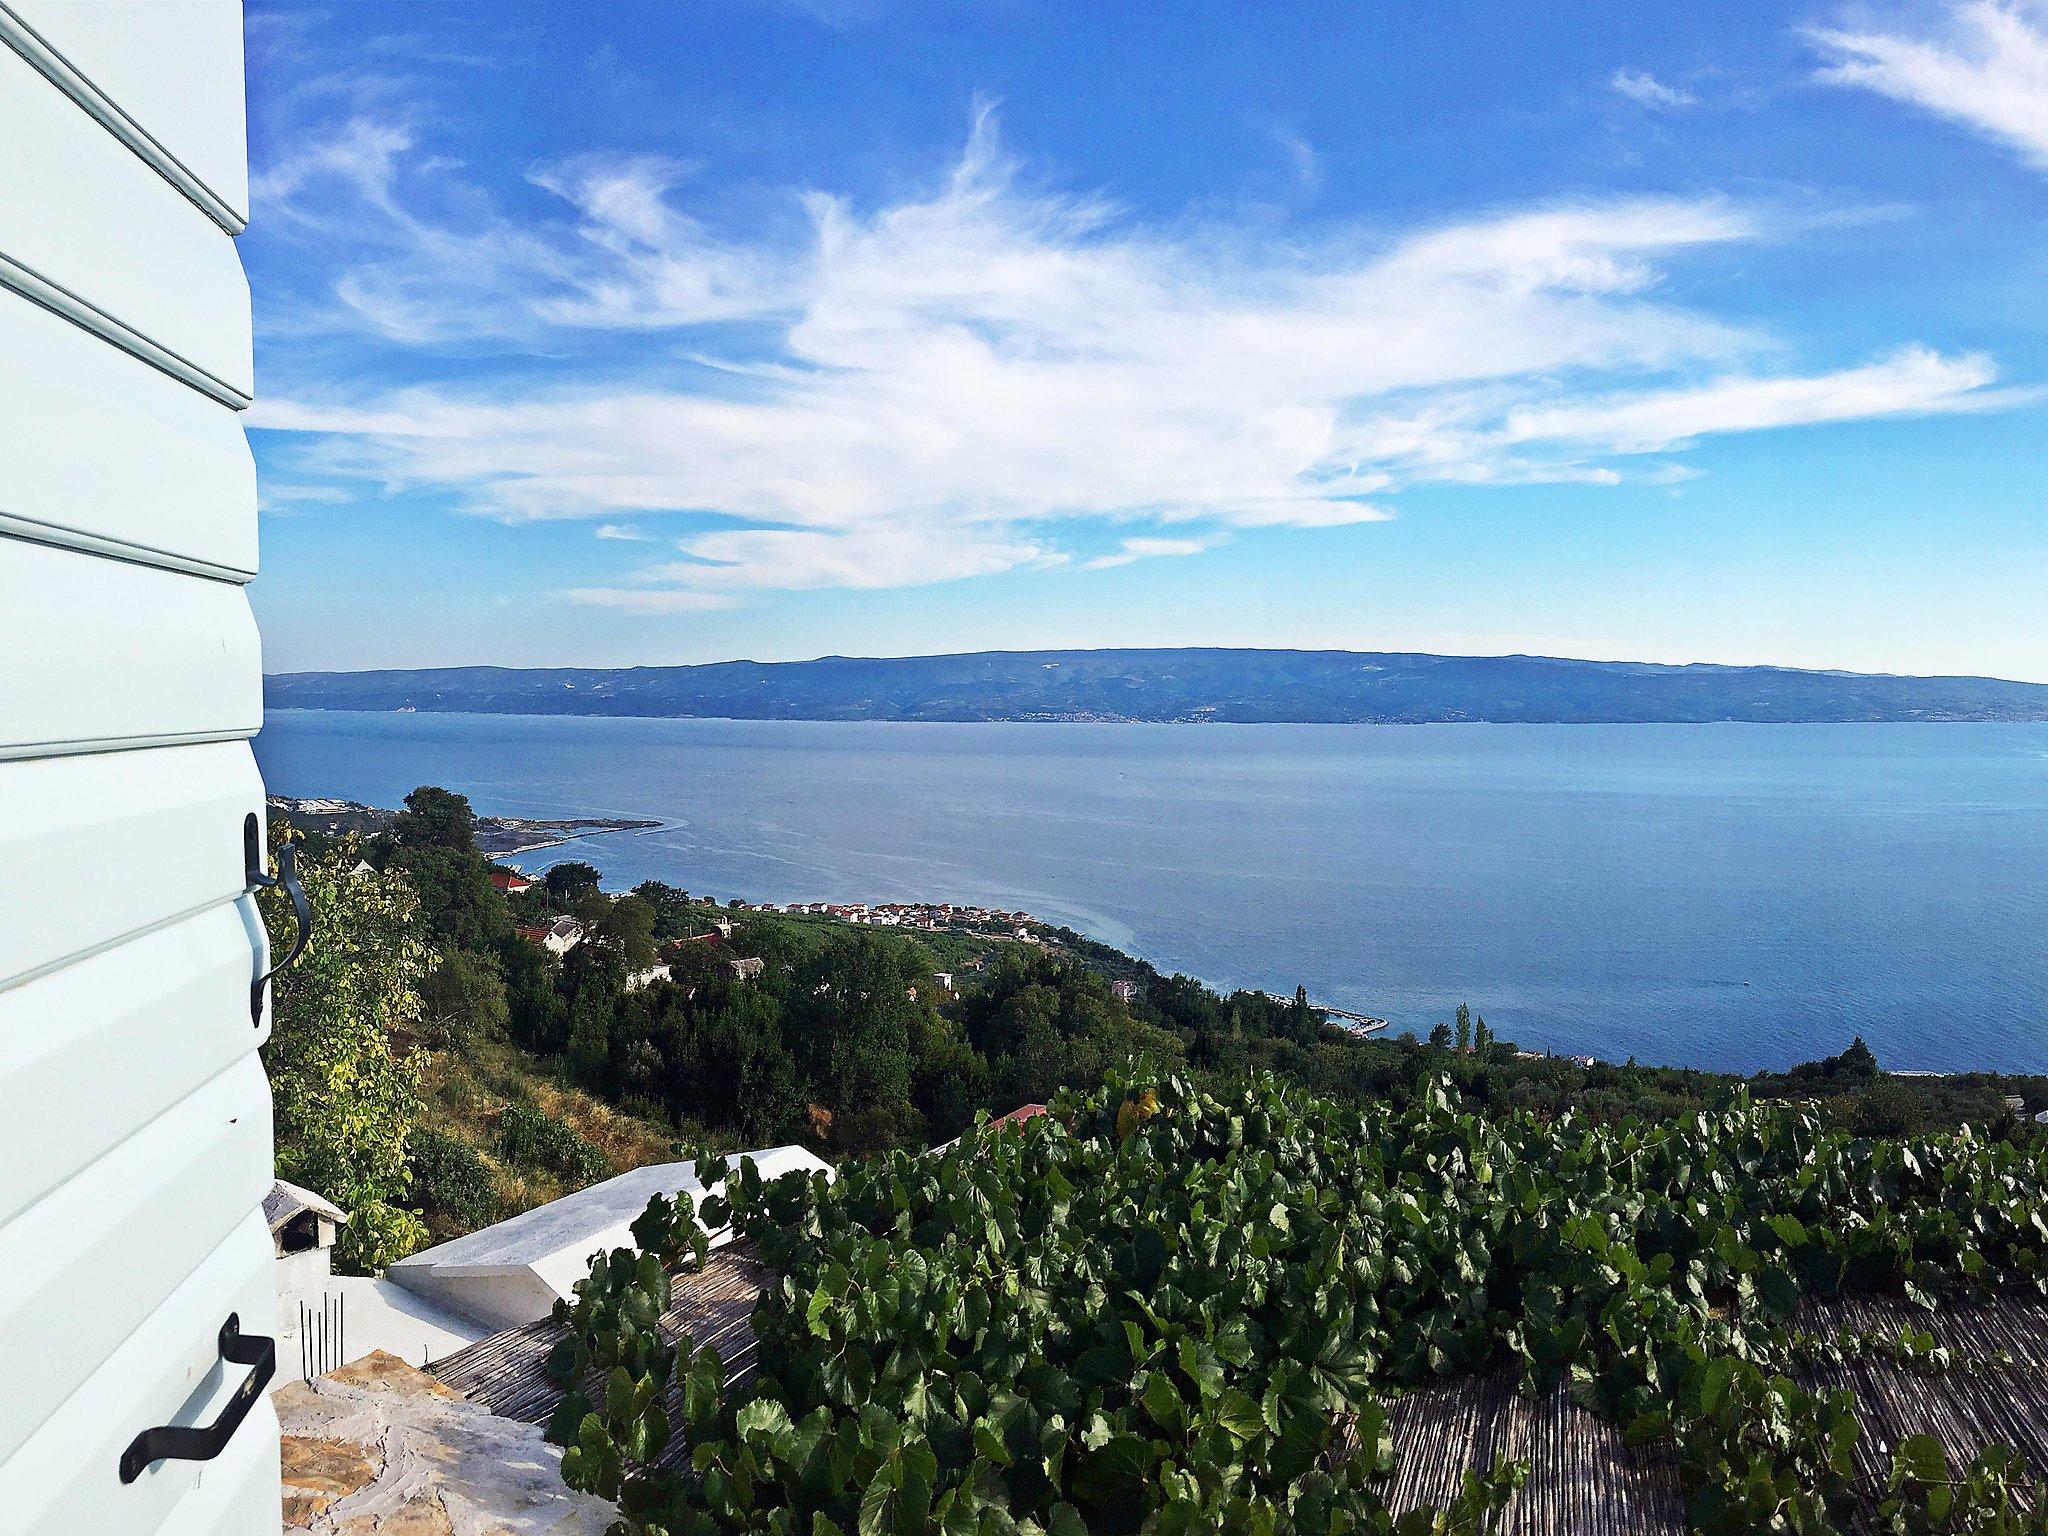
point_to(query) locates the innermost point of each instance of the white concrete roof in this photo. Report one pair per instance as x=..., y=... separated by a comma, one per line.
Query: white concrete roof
x=372, y=1314
x=515, y=1272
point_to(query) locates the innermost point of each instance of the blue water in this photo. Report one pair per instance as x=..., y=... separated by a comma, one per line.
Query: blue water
x=1724, y=896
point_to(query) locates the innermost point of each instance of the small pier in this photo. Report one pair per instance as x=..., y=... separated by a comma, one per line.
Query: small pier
x=1359, y=1024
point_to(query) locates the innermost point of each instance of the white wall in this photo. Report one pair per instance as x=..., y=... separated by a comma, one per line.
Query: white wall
x=135, y=1134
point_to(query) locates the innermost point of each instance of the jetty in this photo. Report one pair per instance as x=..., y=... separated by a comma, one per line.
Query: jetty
x=1351, y=1023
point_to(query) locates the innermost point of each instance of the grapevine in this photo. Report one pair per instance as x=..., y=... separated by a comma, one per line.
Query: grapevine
x=1167, y=1309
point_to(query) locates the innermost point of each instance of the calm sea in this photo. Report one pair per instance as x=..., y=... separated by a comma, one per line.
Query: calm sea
x=1725, y=896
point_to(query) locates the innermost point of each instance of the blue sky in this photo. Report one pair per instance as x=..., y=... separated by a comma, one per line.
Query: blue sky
x=646, y=333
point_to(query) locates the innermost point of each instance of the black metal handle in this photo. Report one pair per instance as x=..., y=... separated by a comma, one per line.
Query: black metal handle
x=178, y=1442
x=286, y=878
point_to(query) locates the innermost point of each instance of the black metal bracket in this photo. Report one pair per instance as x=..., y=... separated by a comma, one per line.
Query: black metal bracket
x=286, y=879
x=178, y=1442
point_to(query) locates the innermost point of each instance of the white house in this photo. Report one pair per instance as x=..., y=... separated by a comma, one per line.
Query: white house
x=515, y=1272
x=563, y=935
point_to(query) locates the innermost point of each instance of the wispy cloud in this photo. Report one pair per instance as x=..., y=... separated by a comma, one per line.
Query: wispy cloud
x=621, y=531
x=1913, y=382
x=1134, y=550
x=964, y=381
x=1302, y=160
x=1986, y=67
x=647, y=600
x=1646, y=90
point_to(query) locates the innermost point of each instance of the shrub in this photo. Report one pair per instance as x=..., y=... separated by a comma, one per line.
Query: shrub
x=535, y=1139
x=449, y=1176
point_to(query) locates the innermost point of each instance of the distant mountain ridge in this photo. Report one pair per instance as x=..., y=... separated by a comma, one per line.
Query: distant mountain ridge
x=1178, y=685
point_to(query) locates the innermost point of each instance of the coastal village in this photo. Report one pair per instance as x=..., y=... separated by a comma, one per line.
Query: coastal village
x=992, y=924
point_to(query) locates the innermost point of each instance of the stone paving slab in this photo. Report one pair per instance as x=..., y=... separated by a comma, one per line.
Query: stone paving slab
x=380, y=1449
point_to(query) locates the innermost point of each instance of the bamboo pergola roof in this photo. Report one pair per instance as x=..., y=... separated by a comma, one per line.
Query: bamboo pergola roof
x=1582, y=1478
x=1995, y=1393
x=1583, y=1481
x=507, y=1372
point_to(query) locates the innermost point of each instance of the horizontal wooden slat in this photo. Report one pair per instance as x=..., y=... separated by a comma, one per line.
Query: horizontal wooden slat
x=112, y=846
x=87, y=1264
x=170, y=1010
x=165, y=77
x=85, y=217
x=66, y=1478
x=180, y=490
x=105, y=652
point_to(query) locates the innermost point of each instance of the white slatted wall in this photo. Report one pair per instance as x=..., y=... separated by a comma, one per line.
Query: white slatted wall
x=134, y=1117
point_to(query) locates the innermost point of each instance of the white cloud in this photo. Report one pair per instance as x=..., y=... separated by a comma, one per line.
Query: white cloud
x=1134, y=550
x=430, y=262
x=1912, y=382
x=1646, y=90
x=1986, y=68
x=624, y=531
x=647, y=600
x=280, y=498
x=1302, y=160
x=944, y=386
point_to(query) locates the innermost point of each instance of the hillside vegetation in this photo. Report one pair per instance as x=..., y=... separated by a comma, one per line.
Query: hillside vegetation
x=437, y=1069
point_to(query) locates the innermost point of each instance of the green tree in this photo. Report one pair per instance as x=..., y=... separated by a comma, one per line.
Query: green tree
x=594, y=977
x=1302, y=1024
x=671, y=907
x=590, y=1035
x=851, y=1019
x=734, y=1070
x=1886, y=1108
x=344, y=1100
x=628, y=925
x=567, y=881
x=433, y=840
x=949, y=1078
x=696, y=963
x=536, y=1014
x=464, y=997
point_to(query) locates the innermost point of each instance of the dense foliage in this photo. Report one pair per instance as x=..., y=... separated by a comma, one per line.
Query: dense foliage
x=449, y=1176
x=345, y=1093
x=1168, y=1309
x=850, y=1039
x=536, y=1139
x=847, y=1039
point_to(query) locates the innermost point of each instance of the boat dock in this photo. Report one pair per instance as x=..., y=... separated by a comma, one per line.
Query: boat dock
x=1359, y=1024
